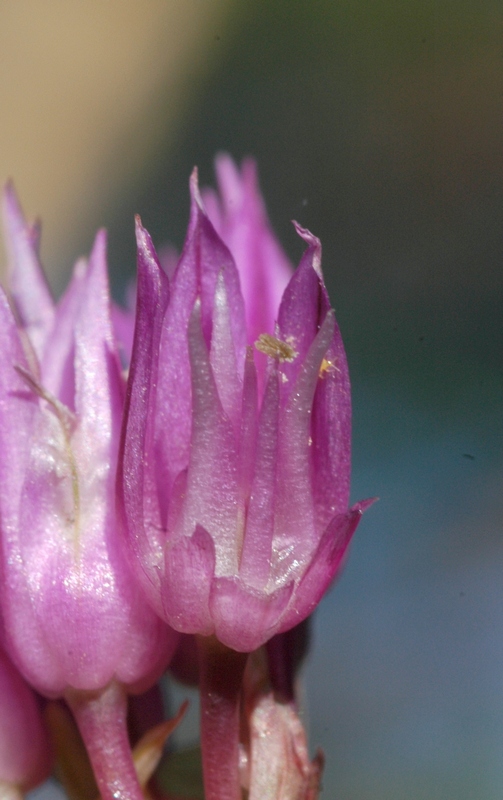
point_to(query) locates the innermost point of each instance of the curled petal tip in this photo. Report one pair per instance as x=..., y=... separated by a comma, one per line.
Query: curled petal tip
x=313, y=242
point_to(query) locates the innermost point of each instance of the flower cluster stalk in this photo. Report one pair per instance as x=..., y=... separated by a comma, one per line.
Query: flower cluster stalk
x=101, y=718
x=221, y=673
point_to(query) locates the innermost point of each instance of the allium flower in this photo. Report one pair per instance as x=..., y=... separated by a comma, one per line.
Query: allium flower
x=234, y=476
x=75, y=620
x=24, y=751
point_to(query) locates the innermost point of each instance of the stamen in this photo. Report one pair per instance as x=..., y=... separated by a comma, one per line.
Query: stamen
x=327, y=366
x=67, y=420
x=275, y=348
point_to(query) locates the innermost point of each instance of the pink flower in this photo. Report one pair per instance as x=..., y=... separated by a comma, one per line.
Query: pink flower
x=235, y=465
x=75, y=619
x=276, y=763
x=24, y=749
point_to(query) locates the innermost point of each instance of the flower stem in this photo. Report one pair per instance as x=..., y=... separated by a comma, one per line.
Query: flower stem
x=221, y=678
x=101, y=718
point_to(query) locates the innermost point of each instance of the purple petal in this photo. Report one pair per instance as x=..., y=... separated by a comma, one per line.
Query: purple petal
x=247, y=443
x=123, y=320
x=331, y=434
x=27, y=282
x=256, y=557
x=210, y=257
x=57, y=368
x=295, y=533
x=264, y=269
x=173, y=392
x=189, y=570
x=223, y=357
x=212, y=477
x=299, y=315
x=203, y=259
x=18, y=408
x=331, y=423
x=25, y=759
x=137, y=481
x=99, y=391
x=245, y=619
x=324, y=565
x=26, y=540
x=168, y=259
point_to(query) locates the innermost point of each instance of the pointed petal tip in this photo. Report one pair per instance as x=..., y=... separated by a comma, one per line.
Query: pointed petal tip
x=140, y=231
x=97, y=263
x=14, y=217
x=15, y=223
x=146, y=253
x=150, y=271
x=194, y=189
x=144, y=241
x=250, y=178
x=9, y=190
x=80, y=268
x=10, y=203
x=222, y=159
x=100, y=243
x=363, y=505
x=226, y=169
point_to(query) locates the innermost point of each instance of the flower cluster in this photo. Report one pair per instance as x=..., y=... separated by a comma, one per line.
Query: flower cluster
x=199, y=506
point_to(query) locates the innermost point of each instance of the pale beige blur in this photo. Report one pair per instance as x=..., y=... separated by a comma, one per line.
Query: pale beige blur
x=81, y=84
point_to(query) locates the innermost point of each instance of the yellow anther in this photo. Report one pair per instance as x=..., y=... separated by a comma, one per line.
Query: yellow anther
x=275, y=348
x=327, y=366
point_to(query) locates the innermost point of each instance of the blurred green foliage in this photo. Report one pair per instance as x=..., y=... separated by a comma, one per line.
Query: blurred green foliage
x=180, y=774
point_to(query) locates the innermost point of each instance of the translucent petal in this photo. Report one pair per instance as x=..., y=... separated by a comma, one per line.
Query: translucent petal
x=27, y=282
x=212, y=494
x=245, y=619
x=189, y=570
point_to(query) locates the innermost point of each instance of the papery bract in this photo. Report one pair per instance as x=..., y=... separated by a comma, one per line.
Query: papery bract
x=234, y=474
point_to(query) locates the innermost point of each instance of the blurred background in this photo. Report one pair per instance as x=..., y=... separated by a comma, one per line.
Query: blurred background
x=377, y=124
